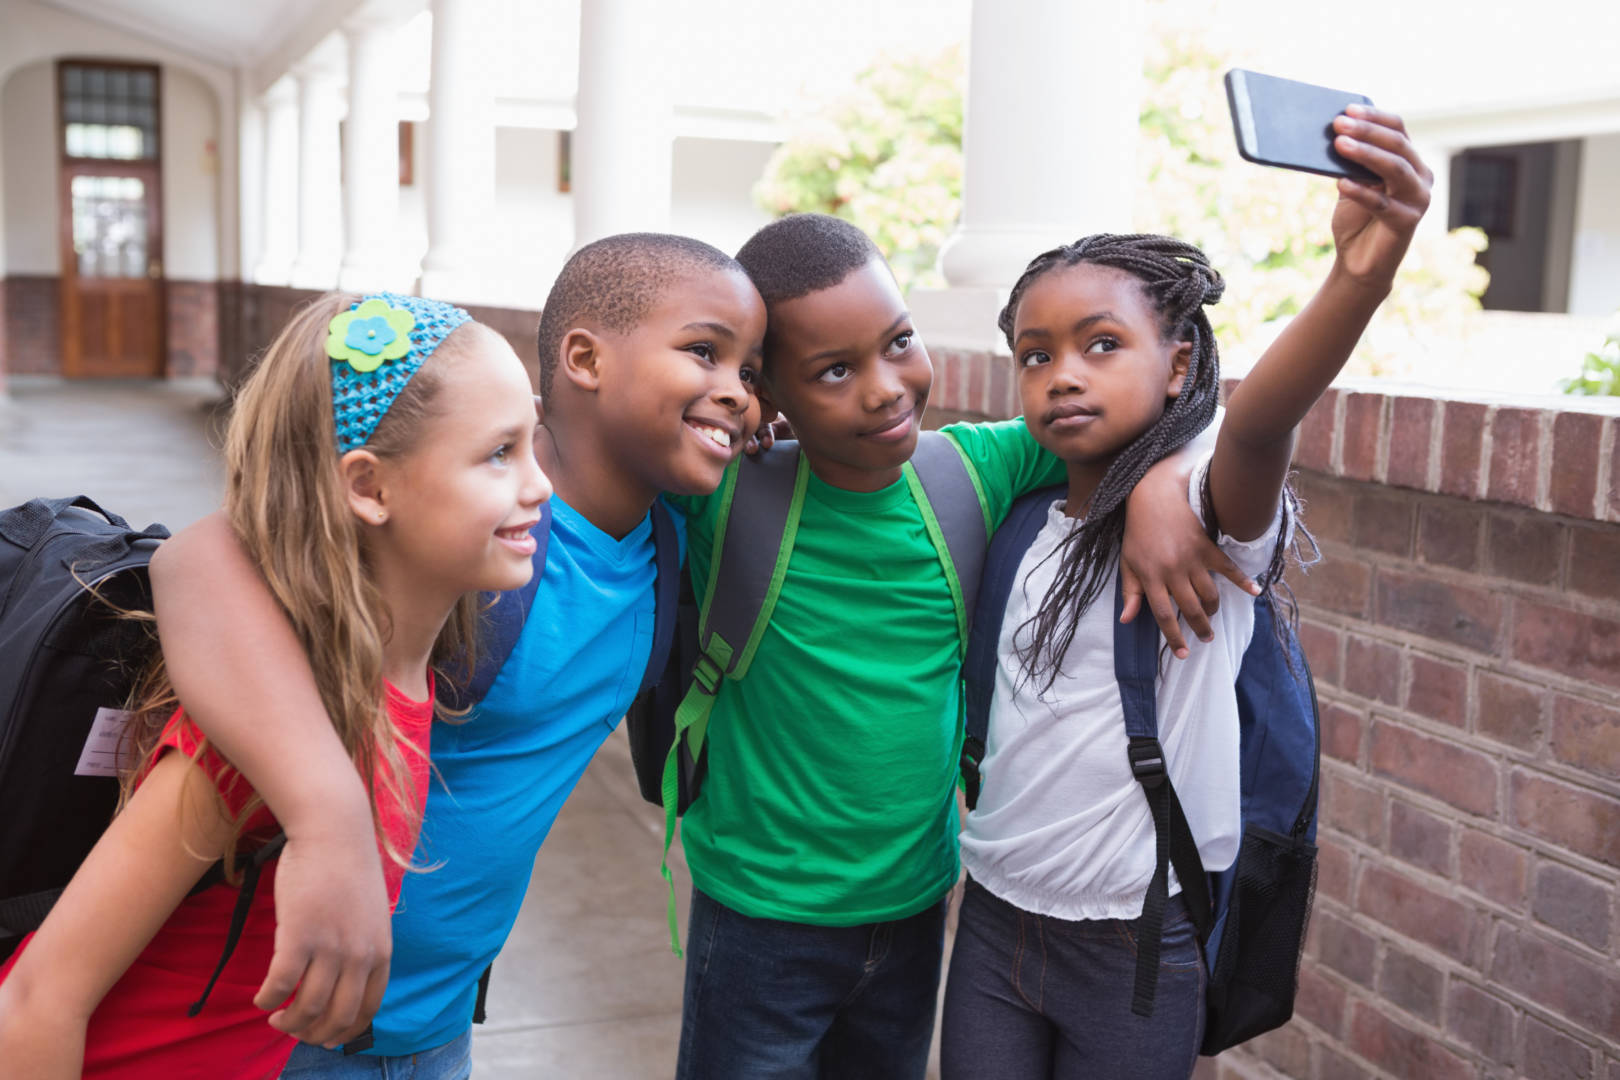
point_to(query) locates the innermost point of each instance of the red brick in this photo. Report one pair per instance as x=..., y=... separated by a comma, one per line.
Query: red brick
x=1337, y=584
x=1419, y=837
x=1573, y=903
x=978, y=382
x=1320, y=1000
x=1461, y=446
x=1361, y=435
x=1549, y=1054
x=1411, y=423
x=1438, y=690
x=1449, y=533
x=1558, y=979
x=1417, y=911
x=1321, y=646
x=1332, y=1065
x=1286, y=1049
x=1372, y=669
x=1594, y=562
x=1411, y=985
x=1382, y=523
x=1344, y=948
x=1353, y=808
x=1582, y=821
x=1342, y=733
x=952, y=388
x=192, y=327
x=1493, y=868
x=1464, y=778
x=33, y=324
x=1510, y=711
x=1333, y=864
x=1586, y=735
x=1400, y=1050
x=1515, y=455
x=1569, y=642
x=1327, y=506
x=1439, y=610
x=1525, y=547
x=1003, y=394
x=1482, y=1022
x=1614, y=480
x=1577, y=439
x=1314, y=450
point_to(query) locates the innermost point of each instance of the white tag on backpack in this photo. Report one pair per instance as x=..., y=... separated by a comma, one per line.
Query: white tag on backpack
x=100, y=754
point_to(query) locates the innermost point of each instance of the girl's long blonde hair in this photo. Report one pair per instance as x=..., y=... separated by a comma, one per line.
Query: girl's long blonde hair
x=286, y=502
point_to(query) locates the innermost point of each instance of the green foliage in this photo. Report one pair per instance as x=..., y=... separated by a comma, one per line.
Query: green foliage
x=888, y=158
x=1600, y=375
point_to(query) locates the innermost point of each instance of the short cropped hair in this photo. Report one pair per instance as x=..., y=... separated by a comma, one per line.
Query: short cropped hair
x=614, y=282
x=804, y=253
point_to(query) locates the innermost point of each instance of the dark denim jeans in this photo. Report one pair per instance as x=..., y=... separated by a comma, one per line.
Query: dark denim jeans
x=770, y=1000
x=1037, y=997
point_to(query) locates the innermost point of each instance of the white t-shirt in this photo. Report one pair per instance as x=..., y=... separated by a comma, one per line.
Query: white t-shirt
x=1062, y=828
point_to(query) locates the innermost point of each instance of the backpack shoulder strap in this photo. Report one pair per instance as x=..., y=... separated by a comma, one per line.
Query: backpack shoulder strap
x=503, y=625
x=1000, y=573
x=1136, y=663
x=952, y=504
x=666, y=592
x=737, y=605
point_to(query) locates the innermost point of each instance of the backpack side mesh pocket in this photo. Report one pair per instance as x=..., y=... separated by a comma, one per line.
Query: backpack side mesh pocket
x=1256, y=972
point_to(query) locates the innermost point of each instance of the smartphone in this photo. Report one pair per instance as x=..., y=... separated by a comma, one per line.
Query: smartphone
x=1290, y=124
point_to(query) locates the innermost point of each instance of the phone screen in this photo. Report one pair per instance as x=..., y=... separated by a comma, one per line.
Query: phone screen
x=1290, y=124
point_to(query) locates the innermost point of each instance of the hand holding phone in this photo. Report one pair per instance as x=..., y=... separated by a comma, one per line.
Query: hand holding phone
x=1289, y=124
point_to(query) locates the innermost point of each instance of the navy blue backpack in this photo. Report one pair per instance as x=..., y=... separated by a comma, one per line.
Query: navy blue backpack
x=1252, y=916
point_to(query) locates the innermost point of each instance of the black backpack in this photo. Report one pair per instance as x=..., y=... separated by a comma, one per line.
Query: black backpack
x=65, y=658
x=68, y=662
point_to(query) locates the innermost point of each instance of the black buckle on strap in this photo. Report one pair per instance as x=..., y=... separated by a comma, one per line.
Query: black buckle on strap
x=1147, y=762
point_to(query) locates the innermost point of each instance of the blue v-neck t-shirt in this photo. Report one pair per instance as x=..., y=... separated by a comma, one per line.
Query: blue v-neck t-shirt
x=507, y=769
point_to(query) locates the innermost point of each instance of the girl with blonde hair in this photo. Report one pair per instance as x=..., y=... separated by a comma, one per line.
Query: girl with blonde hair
x=381, y=474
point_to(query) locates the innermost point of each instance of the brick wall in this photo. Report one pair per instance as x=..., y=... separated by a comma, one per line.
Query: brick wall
x=30, y=327
x=1464, y=629
x=251, y=315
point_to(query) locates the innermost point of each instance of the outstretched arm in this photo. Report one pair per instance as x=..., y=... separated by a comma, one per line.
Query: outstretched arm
x=1372, y=228
x=234, y=660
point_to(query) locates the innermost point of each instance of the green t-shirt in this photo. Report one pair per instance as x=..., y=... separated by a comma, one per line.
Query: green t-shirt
x=832, y=766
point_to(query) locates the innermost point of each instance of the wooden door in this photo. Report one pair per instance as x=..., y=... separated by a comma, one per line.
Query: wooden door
x=112, y=296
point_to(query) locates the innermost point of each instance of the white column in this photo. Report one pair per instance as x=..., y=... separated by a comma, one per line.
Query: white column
x=460, y=150
x=320, y=201
x=1049, y=148
x=277, y=239
x=622, y=141
x=371, y=161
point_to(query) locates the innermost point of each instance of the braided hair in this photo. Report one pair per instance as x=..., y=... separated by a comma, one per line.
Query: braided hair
x=1178, y=281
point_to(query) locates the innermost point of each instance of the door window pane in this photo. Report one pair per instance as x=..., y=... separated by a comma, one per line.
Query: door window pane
x=109, y=226
x=109, y=112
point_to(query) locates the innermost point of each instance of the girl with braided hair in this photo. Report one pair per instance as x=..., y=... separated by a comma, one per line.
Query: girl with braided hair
x=1117, y=367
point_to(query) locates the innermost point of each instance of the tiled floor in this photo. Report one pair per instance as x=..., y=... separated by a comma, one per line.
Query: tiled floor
x=587, y=986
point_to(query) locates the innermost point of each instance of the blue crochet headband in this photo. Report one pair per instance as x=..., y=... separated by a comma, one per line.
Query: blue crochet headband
x=375, y=348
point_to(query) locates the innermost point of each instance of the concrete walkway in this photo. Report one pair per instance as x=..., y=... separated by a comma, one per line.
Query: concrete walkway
x=586, y=986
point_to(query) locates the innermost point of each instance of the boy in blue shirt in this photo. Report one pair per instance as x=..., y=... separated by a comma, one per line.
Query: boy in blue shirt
x=649, y=345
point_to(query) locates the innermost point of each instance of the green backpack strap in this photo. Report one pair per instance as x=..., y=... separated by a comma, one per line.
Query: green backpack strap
x=947, y=490
x=737, y=605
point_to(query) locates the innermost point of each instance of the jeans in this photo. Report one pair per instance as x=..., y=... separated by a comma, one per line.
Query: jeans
x=772, y=1000
x=1038, y=997
x=452, y=1061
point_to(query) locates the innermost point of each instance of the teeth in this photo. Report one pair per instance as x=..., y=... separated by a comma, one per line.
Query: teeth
x=720, y=438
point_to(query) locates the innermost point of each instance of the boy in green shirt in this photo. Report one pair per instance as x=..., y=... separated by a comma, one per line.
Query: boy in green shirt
x=822, y=844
